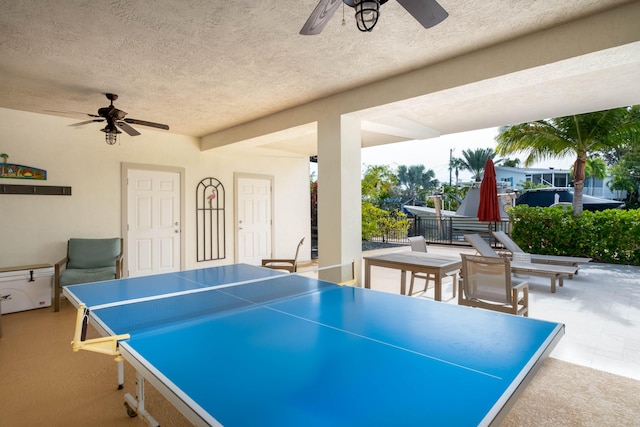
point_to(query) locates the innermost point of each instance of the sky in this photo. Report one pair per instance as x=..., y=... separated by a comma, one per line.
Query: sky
x=434, y=153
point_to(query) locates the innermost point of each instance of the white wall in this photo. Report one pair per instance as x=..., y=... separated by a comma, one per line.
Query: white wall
x=35, y=228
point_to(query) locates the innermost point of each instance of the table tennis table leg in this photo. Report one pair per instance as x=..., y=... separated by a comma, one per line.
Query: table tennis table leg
x=120, y=364
x=135, y=406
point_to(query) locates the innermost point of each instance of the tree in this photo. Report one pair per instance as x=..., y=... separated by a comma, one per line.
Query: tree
x=474, y=161
x=511, y=163
x=625, y=176
x=378, y=184
x=528, y=185
x=416, y=181
x=595, y=168
x=456, y=164
x=580, y=134
x=612, y=155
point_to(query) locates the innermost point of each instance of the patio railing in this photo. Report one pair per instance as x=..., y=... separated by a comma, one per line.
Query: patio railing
x=447, y=231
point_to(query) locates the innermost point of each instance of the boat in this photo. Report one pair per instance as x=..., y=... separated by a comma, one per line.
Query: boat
x=468, y=208
x=553, y=196
x=453, y=225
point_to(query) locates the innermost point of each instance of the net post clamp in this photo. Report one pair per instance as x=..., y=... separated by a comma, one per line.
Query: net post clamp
x=104, y=345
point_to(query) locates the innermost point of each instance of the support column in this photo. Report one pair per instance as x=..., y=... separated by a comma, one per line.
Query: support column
x=339, y=195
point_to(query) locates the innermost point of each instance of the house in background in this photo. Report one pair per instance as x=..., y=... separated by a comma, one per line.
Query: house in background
x=552, y=177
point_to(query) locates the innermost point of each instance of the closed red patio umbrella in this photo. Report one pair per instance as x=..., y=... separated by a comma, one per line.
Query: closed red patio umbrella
x=489, y=208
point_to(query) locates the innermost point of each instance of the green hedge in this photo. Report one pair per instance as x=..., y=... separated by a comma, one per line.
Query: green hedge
x=378, y=222
x=610, y=236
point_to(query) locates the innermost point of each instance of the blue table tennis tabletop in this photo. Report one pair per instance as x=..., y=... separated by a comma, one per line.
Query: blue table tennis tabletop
x=289, y=350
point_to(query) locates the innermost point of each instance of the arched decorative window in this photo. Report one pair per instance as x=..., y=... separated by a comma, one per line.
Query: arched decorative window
x=210, y=223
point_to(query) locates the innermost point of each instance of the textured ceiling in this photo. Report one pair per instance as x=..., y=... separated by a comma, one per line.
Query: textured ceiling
x=202, y=66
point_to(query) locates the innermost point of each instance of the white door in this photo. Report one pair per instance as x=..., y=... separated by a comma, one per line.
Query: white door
x=153, y=231
x=253, y=228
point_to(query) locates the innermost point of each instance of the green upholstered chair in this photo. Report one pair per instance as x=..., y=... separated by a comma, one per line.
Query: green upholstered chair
x=88, y=260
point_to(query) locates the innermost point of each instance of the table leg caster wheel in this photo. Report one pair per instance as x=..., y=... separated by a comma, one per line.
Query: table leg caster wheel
x=130, y=411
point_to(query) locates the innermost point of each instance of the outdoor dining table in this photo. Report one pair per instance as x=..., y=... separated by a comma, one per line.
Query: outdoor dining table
x=417, y=262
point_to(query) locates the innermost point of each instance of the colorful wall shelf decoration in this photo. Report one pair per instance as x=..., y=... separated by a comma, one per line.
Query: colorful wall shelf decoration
x=16, y=171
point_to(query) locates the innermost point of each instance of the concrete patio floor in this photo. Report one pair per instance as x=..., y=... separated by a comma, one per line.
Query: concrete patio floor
x=600, y=308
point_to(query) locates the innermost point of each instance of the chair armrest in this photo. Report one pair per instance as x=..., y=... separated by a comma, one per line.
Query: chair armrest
x=119, y=264
x=521, y=305
x=58, y=266
x=119, y=267
x=56, y=282
x=61, y=262
x=521, y=285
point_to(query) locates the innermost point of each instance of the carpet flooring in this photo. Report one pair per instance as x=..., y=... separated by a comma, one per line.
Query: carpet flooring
x=42, y=382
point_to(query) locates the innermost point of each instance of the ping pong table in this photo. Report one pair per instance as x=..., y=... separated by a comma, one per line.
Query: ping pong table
x=240, y=345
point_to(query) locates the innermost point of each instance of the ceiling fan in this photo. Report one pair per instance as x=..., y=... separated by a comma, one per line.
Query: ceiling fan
x=115, y=119
x=427, y=12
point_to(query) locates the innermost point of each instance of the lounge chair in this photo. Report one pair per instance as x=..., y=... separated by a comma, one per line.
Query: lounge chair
x=480, y=245
x=512, y=247
x=555, y=273
x=486, y=283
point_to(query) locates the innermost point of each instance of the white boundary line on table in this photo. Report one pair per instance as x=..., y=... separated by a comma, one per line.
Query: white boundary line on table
x=206, y=289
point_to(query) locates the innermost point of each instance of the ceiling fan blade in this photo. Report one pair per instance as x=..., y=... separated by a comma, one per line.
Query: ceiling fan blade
x=87, y=122
x=128, y=129
x=427, y=12
x=145, y=123
x=71, y=112
x=319, y=17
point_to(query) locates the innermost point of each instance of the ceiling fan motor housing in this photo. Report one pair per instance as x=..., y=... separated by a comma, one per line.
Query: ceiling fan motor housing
x=111, y=112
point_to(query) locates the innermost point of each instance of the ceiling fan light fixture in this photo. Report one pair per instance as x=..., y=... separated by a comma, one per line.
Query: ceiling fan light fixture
x=110, y=133
x=367, y=13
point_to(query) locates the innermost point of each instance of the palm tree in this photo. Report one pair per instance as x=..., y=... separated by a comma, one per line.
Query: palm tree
x=416, y=180
x=578, y=134
x=474, y=161
x=595, y=168
x=455, y=164
x=5, y=157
